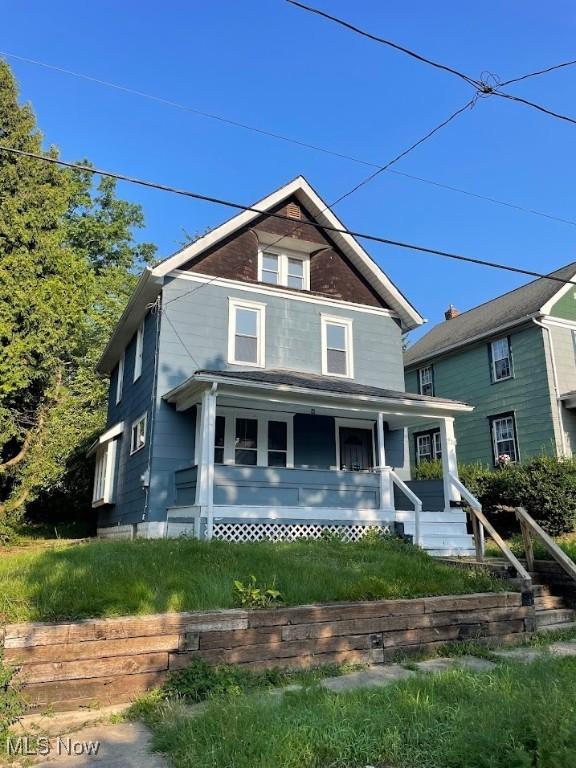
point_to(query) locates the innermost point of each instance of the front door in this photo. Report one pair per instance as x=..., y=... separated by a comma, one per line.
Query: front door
x=355, y=449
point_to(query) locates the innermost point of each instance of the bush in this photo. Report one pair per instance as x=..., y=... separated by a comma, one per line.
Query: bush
x=544, y=485
x=12, y=705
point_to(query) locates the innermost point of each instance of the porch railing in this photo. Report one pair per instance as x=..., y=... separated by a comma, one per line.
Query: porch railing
x=481, y=523
x=416, y=501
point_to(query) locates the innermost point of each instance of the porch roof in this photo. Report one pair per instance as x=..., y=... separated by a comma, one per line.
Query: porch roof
x=313, y=385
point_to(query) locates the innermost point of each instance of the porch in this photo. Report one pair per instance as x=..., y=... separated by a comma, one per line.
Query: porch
x=280, y=455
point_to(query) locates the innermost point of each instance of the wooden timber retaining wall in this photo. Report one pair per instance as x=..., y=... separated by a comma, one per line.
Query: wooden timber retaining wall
x=104, y=661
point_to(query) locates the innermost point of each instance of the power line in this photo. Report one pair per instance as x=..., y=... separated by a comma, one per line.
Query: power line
x=483, y=87
x=267, y=214
x=292, y=140
x=539, y=72
x=383, y=168
x=377, y=39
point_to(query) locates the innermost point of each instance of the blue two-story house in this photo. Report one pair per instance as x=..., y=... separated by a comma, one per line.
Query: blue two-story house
x=257, y=391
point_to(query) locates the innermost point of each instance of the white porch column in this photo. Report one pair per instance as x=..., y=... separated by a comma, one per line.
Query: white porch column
x=386, y=485
x=449, y=460
x=205, y=477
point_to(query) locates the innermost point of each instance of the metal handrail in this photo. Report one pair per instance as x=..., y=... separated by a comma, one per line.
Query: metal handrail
x=531, y=528
x=478, y=514
x=414, y=499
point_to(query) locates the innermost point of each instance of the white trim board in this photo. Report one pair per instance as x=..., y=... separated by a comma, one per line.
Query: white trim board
x=282, y=291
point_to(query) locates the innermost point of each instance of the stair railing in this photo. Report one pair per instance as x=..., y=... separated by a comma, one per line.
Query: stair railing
x=416, y=501
x=530, y=531
x=481, y=523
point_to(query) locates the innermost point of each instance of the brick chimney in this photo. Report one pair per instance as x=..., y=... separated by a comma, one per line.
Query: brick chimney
x=451, y=312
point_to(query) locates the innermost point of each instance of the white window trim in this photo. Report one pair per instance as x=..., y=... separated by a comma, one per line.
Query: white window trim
x=231, y=414
x=419, y=457
x=354, y=424
x=346, y=322
x=144, y=418
x=120, y=380
x=421, y=383
x=103, y=491
x=139, y=352
x=493, y=421
x=283, y=256
x=260, y=309
x=493, y=361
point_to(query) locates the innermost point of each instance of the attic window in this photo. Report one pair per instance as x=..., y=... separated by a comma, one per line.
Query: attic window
x=279, y=267
x=293, y=211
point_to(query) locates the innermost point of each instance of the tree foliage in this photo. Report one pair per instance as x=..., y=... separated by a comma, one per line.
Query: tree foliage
x=67, y=265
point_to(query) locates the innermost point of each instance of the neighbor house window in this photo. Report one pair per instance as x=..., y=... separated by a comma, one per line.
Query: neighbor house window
x=337, y=346
x=139, y=351
x=504, y=438
x=279, y=267
x=138, y=434
x=120, y=380
x=246, y=328
x=246, y=442
x=428, y=446
x=104, y=472
x=501, y=359
x=426, y=380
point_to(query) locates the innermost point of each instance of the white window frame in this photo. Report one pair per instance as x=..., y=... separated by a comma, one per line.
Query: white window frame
x=233, y=305
x=104, y=488
x=428, y=369
x=231, y=414
x=346, y=323
x=139, y=352
x=493, y=359
x=283, y=260
x=493, y=421
x=435, y=445
x=136, y=423
x=120, y=379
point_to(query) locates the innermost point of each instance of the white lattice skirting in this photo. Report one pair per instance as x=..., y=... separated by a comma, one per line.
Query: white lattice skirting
x=292, y=531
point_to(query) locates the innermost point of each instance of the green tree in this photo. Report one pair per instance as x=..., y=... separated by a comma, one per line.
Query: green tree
x=68, y=260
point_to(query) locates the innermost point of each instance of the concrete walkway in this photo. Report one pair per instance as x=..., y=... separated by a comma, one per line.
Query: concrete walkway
x=127, y=745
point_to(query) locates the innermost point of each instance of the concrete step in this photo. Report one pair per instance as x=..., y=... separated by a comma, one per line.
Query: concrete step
x=554, y=616
x=547, y=602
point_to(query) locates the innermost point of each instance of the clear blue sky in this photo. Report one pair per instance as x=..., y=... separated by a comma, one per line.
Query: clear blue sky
x=266, y=63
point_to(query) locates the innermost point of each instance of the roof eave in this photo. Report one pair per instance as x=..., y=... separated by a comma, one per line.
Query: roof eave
x=146, y=291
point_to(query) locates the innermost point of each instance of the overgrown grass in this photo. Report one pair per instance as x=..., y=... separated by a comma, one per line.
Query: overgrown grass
x=114, y=578
x=567, y=543
x=514, y=717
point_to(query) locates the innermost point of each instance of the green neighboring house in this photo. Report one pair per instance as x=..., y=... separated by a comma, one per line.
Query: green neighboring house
x=513, y=358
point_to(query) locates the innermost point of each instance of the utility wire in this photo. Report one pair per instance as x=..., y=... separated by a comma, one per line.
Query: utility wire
x=539, y=72
x=292, y=140
x=383, y=168
x=267, y=214
x=376, y=38
x=483, y=87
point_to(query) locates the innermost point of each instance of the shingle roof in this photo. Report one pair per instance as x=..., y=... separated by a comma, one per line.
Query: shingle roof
x=481, y=320
x=320, y=383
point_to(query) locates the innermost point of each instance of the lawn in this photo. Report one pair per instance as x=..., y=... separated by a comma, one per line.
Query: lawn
x=566, y=542
x=115, y=578
x=515, y=717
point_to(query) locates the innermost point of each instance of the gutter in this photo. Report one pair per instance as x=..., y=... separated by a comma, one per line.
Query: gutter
x=546, y=328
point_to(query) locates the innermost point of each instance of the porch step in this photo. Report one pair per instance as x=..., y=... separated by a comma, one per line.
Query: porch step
x=555, y=617
x=438, y=529
x=447, y=542
x=432, y=516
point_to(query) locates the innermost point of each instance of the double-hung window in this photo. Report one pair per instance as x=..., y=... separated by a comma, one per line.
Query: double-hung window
x=277, y=444
x=428, y=446
x=337, y=352
x=139, y=351
x=138, y=434
x=119, y=379
x=246, y=333
x=246, y=442
x=287, y=268
x=504, y=438
x=501, y=359
x=426, y=380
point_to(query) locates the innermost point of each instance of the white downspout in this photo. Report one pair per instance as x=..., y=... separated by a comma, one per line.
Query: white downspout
x=556, y=385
